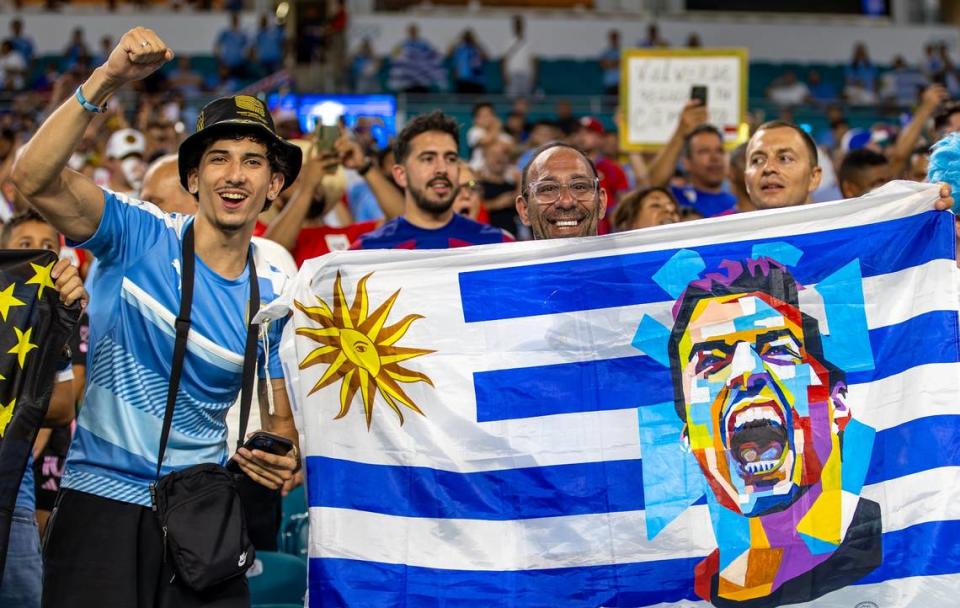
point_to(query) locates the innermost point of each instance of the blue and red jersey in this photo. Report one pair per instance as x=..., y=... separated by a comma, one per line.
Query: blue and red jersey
x=460, y=231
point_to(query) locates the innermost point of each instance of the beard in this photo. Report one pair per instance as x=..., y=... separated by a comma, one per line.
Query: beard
x=432, y=206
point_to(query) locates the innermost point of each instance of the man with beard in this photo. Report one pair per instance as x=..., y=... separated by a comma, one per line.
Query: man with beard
x=428, y=169
x=560, y=194
x=767, y=419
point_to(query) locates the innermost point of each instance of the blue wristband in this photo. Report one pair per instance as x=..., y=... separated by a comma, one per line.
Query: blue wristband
x=89, y=107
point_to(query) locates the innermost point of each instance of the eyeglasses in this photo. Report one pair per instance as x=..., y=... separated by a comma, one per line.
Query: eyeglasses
x=547, y=193
x=473, y=186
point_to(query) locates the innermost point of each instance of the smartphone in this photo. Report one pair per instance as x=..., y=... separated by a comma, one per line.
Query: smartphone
x=699, y=92
x=269, y=443
x=325, y=136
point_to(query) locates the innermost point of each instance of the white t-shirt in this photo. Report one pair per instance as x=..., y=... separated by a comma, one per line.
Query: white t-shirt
x=13, y=66
x=474, y=136
x=791, y=94
x=265, y=252
x=519, y=58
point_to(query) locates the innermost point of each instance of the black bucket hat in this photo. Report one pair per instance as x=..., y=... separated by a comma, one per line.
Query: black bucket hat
x=231, y=115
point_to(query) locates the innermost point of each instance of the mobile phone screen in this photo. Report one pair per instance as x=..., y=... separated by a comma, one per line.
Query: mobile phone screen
x=269, y=443
x=326, y=136
x=699, y=92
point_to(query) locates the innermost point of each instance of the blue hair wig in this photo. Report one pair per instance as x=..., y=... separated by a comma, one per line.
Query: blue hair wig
x=945, y=164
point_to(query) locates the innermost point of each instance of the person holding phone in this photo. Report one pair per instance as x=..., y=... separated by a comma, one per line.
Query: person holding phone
x=705, y=160
x=104, y=545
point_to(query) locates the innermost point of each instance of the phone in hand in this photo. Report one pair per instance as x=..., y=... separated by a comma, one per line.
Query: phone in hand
x=325, y=136
x=699, y=92
x=269, y=443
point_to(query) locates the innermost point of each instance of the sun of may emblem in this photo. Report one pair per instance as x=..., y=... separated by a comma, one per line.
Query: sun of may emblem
x=359, y=351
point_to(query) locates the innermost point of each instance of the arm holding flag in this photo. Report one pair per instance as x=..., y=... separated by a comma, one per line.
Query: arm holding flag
x=69, y=200
x=69, y=285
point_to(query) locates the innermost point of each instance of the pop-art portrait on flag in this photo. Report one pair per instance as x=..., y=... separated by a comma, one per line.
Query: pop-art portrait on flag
x=765, y=416
x=755, y=411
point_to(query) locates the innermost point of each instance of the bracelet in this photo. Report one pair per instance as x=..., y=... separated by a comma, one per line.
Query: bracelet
x=365, y=168
x=89, y=107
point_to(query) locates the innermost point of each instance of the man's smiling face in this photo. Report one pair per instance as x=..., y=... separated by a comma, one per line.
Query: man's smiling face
x=759, y=416
x=233, y=182
x=568, y=215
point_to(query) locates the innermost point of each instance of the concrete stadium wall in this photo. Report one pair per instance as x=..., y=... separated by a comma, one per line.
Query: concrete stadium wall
x=188, y=33
x=573, y=35
x=584, y=35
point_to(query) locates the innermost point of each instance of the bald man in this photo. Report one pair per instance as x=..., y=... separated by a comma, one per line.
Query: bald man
x=161, y=186
x=560, y=194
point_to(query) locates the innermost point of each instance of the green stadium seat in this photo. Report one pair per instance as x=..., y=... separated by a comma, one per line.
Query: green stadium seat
x=294, y=502
x=294, y=524
x=277, y=578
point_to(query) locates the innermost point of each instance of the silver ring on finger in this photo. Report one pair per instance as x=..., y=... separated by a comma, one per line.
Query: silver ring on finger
x=145, y=43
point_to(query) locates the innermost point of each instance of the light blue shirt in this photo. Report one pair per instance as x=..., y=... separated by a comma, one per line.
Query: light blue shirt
x=232, y=47
x=133, y=304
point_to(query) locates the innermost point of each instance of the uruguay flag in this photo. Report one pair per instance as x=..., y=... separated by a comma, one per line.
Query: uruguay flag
x=749, y=411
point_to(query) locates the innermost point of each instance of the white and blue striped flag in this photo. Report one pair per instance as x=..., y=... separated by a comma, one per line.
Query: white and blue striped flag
x=754, y=410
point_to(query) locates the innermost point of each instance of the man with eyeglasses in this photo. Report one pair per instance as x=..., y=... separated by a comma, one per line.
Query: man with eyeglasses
x=560, y=193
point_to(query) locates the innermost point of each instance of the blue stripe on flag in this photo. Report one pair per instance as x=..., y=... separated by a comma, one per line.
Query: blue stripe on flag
x=571, y=489
x=625, y=280
x=566, y=388
x=346, y=582
x=627, y=382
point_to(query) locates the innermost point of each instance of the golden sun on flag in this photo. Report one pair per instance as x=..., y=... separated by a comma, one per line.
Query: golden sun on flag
x=360, y=351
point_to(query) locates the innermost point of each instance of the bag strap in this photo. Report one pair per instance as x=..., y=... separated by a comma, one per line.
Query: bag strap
x=182, y=326
x=249, y=353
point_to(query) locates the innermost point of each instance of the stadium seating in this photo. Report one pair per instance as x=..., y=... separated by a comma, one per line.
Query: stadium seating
x=277, y=578
x=294, y=524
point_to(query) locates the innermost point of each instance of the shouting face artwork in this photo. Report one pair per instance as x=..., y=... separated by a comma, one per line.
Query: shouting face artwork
x=765, y=419
x=760, y=418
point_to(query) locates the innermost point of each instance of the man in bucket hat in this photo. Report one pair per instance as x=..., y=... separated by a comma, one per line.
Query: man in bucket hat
x=105, y=547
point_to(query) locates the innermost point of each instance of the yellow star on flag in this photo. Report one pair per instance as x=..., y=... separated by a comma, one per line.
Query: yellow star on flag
x=8, y=301
x=41, y=277
x=23, y=346
x=6, y=415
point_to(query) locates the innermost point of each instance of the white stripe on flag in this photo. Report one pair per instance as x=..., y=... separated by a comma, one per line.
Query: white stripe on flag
x=931, y=390
x=576, y=540
x=607, y=333
x=929, y=591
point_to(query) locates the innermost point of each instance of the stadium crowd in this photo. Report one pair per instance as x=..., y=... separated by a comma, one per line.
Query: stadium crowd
x=78, y=147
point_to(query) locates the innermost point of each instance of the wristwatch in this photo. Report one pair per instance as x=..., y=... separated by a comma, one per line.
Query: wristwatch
x=366, y=167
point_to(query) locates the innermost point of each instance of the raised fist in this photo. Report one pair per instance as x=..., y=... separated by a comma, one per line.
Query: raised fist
x=139, y=53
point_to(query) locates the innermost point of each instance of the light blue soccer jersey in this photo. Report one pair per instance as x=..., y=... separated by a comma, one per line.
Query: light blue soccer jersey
x=133, y=304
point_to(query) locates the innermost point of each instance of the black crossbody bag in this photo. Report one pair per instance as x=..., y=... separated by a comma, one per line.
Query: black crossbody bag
x=199, y=510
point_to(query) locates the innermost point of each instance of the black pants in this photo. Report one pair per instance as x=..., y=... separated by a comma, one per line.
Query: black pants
x=108, y=554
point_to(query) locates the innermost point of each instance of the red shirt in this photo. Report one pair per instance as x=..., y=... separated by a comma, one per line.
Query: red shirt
x=614, y=181
x=315, y=241
x=338, y=23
